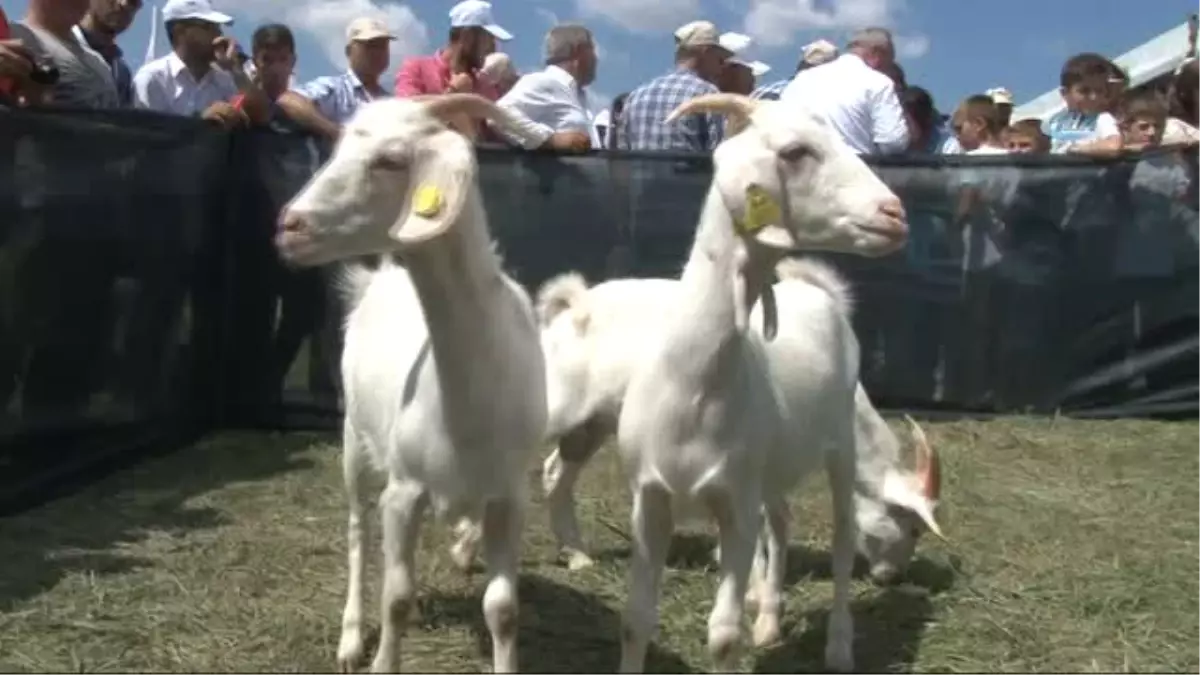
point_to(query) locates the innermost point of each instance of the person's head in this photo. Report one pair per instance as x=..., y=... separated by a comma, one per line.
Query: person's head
x=736, y=78
x=1185, y=93
x=698, y=47
x=368, y=47
x=815, y=53
x=570, y=47
x=113, y=16
x=1118, y=84
x=273, y=49
x=1003, y=99
x=920, y=114
x=874, y=46
x=499, y=68
x=58, y=14
x=976, y=122
x=1143, y=117
x=1084, y=83
x=474, y=32
x=192, y=26
x=1025, y=136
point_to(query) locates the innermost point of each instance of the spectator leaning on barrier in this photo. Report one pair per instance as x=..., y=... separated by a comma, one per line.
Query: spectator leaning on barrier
x=104, y=22
x=1184, y=105
x=552, y=102
x=84, y=80
x=201, y=75
x=456, y=67
x=498, y=67
x=1085, y=125
x=1026, y=137
x=927, y=135
x=855, y=95
x=323, y=105
x=811, y=56
x=273, y=59
x=699, y=60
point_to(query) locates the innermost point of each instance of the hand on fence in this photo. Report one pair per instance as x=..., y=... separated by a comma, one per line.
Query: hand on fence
x=15, y=60
x=225, y=114
x=570, y=141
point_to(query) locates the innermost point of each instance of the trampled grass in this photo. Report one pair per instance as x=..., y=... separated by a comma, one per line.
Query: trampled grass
x=1073, y=547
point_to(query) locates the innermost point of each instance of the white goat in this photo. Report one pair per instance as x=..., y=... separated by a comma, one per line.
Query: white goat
x=444, y=377
x=592, y=337
x=704, y=426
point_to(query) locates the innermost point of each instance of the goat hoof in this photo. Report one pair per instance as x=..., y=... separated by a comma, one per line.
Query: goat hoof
x=578, y=560
x=350, y=652
x=723, y=643
x=766, y=630
x=839, y=657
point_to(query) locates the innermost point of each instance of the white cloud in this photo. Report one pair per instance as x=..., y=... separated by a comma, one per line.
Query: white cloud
x=774, y=23
x=911, y=46
x=326, y=20
x=643, y=16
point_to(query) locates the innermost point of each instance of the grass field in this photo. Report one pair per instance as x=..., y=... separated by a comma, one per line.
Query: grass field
x=1073, y=547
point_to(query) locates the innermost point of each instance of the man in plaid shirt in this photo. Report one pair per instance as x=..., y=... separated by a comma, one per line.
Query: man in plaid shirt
x=699, y=58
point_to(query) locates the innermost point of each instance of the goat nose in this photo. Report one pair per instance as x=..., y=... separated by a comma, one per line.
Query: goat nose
x=893, y=208
x=290, y=222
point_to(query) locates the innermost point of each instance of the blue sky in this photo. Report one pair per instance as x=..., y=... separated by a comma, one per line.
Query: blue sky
x=951, y=47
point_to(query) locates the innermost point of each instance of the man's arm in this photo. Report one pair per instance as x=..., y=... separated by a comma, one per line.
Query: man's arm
x=889, y=129
x=303, y=112
x=255, y=104
x=534, y=97
x=1108, y=142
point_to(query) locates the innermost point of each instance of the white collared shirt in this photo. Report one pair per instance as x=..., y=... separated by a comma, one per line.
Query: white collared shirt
x=859, y=102
x=547, y=102
x=167, y=86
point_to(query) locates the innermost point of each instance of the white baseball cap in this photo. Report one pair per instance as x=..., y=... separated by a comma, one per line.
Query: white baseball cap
x=735, y=43
x=477, y=13
x=1000, y=96
x=367, y=28
x=201, y=10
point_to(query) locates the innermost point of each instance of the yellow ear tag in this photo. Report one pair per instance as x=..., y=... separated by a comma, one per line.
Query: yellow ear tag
x=427, y=202
x=761, y=209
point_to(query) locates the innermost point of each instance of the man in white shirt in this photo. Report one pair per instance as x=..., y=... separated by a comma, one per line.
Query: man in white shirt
x=552, y=102
x=185, y=82
x=855, y=96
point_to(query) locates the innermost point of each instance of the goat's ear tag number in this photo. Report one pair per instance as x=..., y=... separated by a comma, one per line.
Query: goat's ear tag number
x=761, y=209
x=427, y=202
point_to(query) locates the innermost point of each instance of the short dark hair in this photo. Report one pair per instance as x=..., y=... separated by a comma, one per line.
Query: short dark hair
x=1085, y=66
x=1031, y=128
x=618, y=102
x=272, y=36
x=1144, y=104
x=918, y=102
x=981, y=107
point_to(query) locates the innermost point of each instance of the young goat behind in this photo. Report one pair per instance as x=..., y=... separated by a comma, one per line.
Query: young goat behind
x=444, y=377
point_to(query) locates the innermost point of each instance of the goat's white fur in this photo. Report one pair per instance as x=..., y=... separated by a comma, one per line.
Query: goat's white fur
x=705, y=428
x=444, y=377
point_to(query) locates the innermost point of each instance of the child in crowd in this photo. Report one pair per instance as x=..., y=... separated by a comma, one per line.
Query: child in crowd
x=984, y=194
x=1086, y=126
x=1026, y=137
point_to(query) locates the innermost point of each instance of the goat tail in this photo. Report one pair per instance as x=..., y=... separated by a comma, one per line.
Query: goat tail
x=822, y=275
x=563, y=292
x=352, y=282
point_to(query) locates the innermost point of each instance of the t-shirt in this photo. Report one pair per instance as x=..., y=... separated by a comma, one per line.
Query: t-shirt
x=84, y=81
x=1068, y=129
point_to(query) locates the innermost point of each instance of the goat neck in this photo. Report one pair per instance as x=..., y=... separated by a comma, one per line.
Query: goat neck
x=458, y=279
x=707, y=326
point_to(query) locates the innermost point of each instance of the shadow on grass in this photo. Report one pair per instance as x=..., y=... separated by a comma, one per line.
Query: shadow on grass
x=562, y=630
x=86, y=531
x=889, y=628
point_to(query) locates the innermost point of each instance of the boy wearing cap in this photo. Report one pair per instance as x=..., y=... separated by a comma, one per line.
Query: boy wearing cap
x=456, y=67
x=185, y=81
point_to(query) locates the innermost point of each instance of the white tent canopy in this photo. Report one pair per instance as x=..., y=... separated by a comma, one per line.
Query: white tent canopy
x=1159, y=56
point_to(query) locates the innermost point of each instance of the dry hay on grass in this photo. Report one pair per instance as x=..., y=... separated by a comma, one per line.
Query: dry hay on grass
x=1073, y=548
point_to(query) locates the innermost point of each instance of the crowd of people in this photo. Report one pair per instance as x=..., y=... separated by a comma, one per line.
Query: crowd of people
x=66, y=52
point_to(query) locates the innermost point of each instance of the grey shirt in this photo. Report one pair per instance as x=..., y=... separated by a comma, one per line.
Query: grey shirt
x=85, y=80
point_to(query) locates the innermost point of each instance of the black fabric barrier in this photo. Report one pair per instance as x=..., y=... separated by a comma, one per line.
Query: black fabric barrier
x=142, y=304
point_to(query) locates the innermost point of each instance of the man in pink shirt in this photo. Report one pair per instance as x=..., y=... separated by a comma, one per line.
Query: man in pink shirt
x=455, y=67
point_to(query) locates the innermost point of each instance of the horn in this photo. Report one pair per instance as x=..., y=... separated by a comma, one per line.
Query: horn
x=452, y=108
x=736, y=106
x=929, y=465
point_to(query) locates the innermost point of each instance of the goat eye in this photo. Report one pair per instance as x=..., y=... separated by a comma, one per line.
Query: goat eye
x=796, y=152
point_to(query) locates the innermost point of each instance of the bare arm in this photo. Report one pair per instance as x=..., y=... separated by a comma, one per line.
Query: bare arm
x=304, y=112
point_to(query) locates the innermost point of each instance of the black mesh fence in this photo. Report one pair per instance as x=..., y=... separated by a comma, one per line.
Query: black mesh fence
x=142, y=303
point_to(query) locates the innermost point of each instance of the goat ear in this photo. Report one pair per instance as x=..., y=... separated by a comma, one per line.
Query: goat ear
x=903, y=491
x=438, y=187
x=756, y=208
